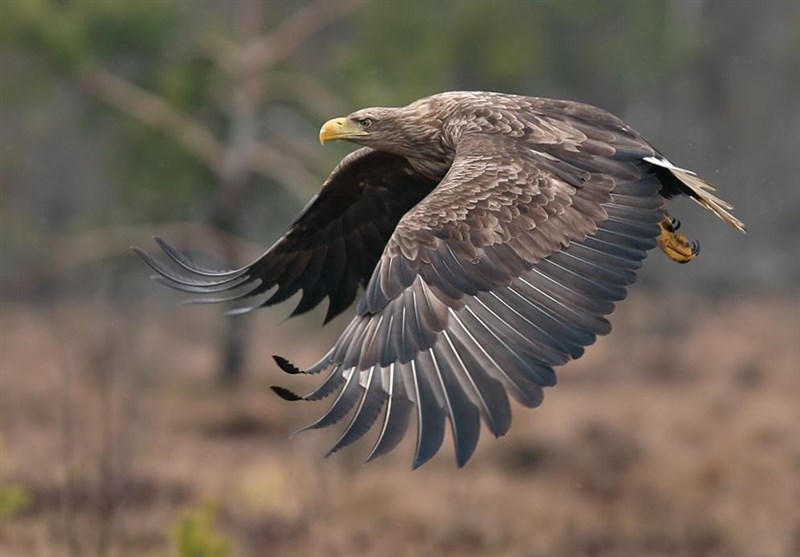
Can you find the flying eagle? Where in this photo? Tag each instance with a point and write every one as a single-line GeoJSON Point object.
{"type": "Point", "coordinates": [492, 235]}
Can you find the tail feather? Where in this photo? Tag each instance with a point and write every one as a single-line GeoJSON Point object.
{"type": "Point", "coordinates": [704, 197]}
{"type": "Point", "coordinates": [700, 192]}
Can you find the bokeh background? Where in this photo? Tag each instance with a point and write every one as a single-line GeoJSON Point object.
{"type": "Point", "coordinates": [131, 425]}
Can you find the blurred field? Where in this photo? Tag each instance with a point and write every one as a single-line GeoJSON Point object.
{"type": "Point", "coordinates": [676, 435]}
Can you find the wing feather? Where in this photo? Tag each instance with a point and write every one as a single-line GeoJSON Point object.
{"type": "Point", "coordinates": [343, 403]}
{"type": "Point", "coordinates": [397, 415]}
{"type": "Point", "coordinates": [366, 414]}
{"type": "Point", "coordinates": [465, 420]}
{"type": "Point", "coordinates": [430, 417]}
{"type": "Point", "coordinates": [329, 250]}
{"type": "Point", "coordinates": [491, 358]}
{"type": "Point", "coordinates": [487, 393]}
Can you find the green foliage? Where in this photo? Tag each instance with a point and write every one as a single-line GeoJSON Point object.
{"type": "Point", "coordinates": [160, 181]}
{"type": "Point", "coordinates": [155, 178]}
{"type": "Point", "coordinates": [70, 34]}
{"type": "Point", "coordinates": [194, 534]}
{"type": "Point", "coordinates": [587, 49]}
{"type": "Point", "coordinates": [13, 499]}
{"type": "Point", "coordinates": [37, 25]}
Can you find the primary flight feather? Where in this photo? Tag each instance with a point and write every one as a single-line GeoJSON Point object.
{"type": "Point", "coordinates": [492, 235]}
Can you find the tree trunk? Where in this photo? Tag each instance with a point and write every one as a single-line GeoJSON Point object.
{"type": "Point", "coordinates": [235, 177]}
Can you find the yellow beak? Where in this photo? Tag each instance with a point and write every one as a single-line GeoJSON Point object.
{"type": "Point", "coordinates": [339, 128]}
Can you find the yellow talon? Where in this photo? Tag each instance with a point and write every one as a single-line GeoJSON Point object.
{"type": "Point", "coordinates": [676, 246]}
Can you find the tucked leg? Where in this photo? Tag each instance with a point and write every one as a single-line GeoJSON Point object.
{"type": "Point", "coordinates": [676, 246]}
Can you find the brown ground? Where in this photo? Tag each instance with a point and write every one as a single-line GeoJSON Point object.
{"type": "Point", "coordinates": [677, 435]}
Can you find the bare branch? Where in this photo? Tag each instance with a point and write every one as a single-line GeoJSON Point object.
{"type": "Point", "coordinates": [187, 132]}
{"type": "Point", "coordinates": [290, 36]}
{"type": "Point", "coordinates": [272, 164]}
{"type": "Point", "coordinates": [260, 158]}
{"type": "Point", "coordinates": [312, 94]}
{"type": "Point", "coordinates": [301, 150]}
{"type": "Point", "coordinates": [154, 111]}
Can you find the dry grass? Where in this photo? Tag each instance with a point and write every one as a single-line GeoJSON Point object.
{"type": "Point", "coordinates": [677, 435]}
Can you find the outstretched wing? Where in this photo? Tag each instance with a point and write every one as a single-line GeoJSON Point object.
{"type": "Point", "coordinates": [505, 270]}
{"type": "Point", "coordinates": [330, 249]}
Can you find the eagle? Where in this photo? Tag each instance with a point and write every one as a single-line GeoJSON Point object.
{"type": "Point", "coordinates": [491, 235]}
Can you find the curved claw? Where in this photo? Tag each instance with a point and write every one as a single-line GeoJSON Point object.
{"type": "Point", "coordinates": [673, 225]}
{"type": "Point", "coordinates": [676, 246]}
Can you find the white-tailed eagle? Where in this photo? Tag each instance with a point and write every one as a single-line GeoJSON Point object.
{"type": "Point", "coordinates": [492, 235]}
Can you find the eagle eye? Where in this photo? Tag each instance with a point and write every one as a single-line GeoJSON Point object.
{"type": "Point", "coordinates": [365, 122]}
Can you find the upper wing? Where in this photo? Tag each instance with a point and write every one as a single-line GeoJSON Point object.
{"type": "Point", "coordinates": [564, 126]}
{"type": "Point", "coordinates": [330, 249]}
{"type": "Point", "coordinates": [506, 269]}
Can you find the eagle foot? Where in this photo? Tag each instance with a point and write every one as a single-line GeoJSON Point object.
{"type": "Point", "coordinates": [676, 246]}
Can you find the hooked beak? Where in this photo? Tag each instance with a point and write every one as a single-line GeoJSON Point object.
{"type": "Point", "coordinates": [339, 128]}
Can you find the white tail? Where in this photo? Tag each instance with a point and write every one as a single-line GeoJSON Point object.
{"type": "Point", "coordinates": [702, 192]}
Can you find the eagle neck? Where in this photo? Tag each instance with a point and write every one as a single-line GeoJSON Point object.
{"type": "Point", "coordinates": [428, 153]}
{"type": "Point", "coordinates": [433, 167]}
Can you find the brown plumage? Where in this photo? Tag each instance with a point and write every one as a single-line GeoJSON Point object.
{"type": "Point", "coordinates": [492, 234]}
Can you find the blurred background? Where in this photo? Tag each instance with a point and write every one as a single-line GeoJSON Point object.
{"type": "Point", "coordinates": [131, 425]}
